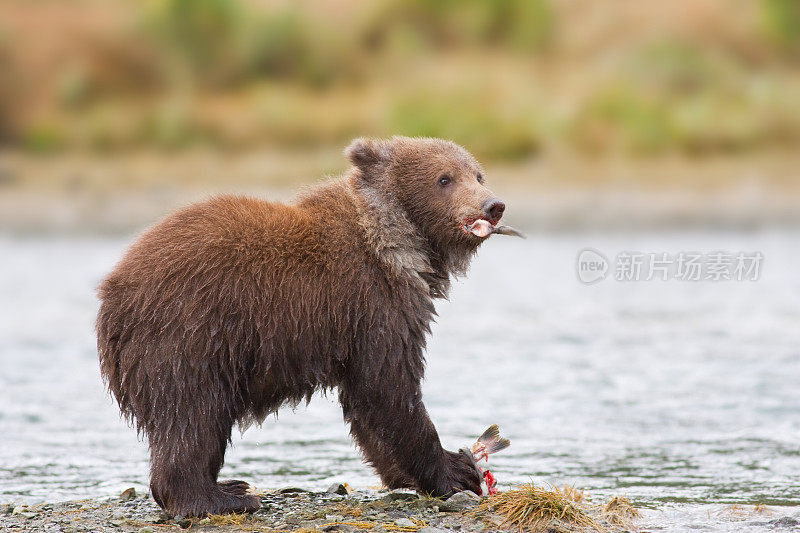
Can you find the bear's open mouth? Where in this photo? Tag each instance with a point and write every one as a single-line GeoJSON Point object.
{"type": "Point", "coordinates": [468, 221]}
{"type": "Point", "coordinates": [478, 226]}
{"type": "Point", "coordinates": [483, 227]}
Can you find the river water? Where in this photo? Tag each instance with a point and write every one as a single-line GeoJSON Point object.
{"type": "Point", "coordinates": [683, 396]}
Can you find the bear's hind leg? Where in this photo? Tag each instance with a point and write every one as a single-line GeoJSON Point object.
{"type": "Point", "coordinates": [184, 496]}
{"type": "Point", "coordinates": [183, 475]}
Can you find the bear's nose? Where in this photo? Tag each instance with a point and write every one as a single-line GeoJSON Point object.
{"type": "Point", "coordinates": [494, 209]}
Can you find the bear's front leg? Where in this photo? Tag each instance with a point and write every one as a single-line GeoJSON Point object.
{"type": "Point", "coordinates": [393, 429]}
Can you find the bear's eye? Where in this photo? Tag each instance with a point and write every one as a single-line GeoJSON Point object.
{"type": "Point", "coordinates": [444, 179]}
{"type": "Point", "coordinates": [480, 177]}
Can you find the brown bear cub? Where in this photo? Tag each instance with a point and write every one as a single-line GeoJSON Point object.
{"type": "Point", "coordinates": [228, 309]}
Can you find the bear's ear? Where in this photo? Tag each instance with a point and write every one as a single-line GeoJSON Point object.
{"type": "Point", "coordinates": [368, 154]}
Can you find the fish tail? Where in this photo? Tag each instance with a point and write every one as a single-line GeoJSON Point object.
{"type": "Point", "coordinates": [491, 440]}
{"type": "Point", "coordinates": [508, 230]}
{"type": "Point", "coordinates": [497, 445]}
{"type": "Point", "coordinates": [493, 432]}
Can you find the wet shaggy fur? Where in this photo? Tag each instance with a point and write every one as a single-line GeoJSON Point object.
{"type": "Point", "coordinates": [228, 309]}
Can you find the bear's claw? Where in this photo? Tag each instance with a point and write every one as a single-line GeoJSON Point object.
{"type": "Point", "coordinates": [234, 486]}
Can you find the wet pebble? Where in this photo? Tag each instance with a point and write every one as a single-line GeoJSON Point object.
{"type": "Point", "coordinates": [460, 501]}
{"type": "Point", "coordinates": [785, 521]}
{"type": "Point", "coordinates": [404, 522]}
{"type": "Point", "coordinates": [425, 504]}
{"type": "Point", "coordinates": [338, 488]}
{"type": "Point", "coordinates": [398, 495]}
{"type": "Point", "coordinates": [293, 490]}
{"type": "Point", "coordinates": [24, 512]}
{"type": "Point", "coordinates": [155, 518]}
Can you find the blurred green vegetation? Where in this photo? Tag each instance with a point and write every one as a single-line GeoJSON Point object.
{"type": "Point", "coordinates": [782, 24]}
{"type": "Point", "coordinates": [220, 43]}
{"type": "Point", "coordinates": [521, 25]}
{"type": "Point", "coordinates": [676, 96]}
{"type": "Point", "coordinates": [507, 78]}
{"type": "Point", "coordinates": [223, 42]}
{"type": "Point", "coordinates": [464, 115]}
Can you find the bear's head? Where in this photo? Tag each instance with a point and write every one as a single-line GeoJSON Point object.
{"type": "Point", "coordinates": [439, 187]}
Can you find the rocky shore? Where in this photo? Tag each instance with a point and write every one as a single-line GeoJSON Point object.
{"type": "Point", "coordinates": [340, 509]}
{"type": "Point", "coordinates": [288, 509]}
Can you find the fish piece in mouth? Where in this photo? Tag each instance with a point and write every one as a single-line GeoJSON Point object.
{"type": "Point", "coordinates": [484, 228]}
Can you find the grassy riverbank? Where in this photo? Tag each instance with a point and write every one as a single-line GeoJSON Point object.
{"type": "Point", "coordinates": [509, 79]}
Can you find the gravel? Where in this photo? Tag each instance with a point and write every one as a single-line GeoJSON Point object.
{"type": "Point", "coordinates": [287, 509]}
